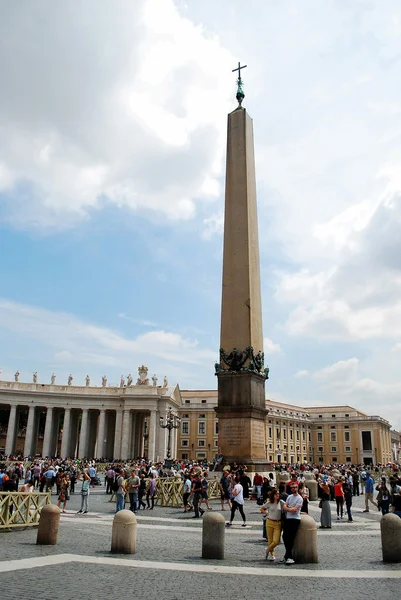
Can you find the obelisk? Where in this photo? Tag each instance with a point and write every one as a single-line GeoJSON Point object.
{"type": "Point", "coordinates": [241, 372]}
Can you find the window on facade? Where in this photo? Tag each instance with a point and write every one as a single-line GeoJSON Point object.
{"type": "Point", "coordinates": [309, 436]}
{"type": "Point", "coordinates": [297, 435]}
{"type": "Point", "coordinates": [348, 459]}
{"type": "Point", "coordinates": [347, 436]}
{"type": "Point", "coordinates": [333, 436]}
{"type": "Point", "coordinates": [284, 434]}
{"type": "Point", "coordinates": [366, 441]}
{"type": "Point", "coordinates": [320, 449]}
{"type": "Point", "coordinates": [334, 459]}
{"type": "Point", "coordinates": [320, 436]}
{"type": "Point", "coordinates": [332, 426]}
{"type": "Point", "coordinates": [184, 443]}
{"type": "Point", "coordinates": [185, 427]}
{"type": "Point", "coordinates": [291, 434]}
{"type": "Point", "coordinates": [271, 446]}
{"type": "Point", "coordinates": [320, 416]}
{"type": "Point", "coordinates": [348, 448]}
{"type": "Point", "coordinates": [216, 443]}
{"type": "Point", "coordinates": [201, 427]}
{"type": "Point", "coordinates": [203, 401]}
{"type": "Point", "coordinates": [278, 433]}
{"type": "Point", "coordinates": [346, 426]}
{"type": "Point", "coordinates": [334, 448]}
{"type": "Point", "coordinates": [270, 458]}
{"type": "Point", "coordinates": [320, 458]}
{"type": "Point", "coordinates": [201, 455]}
{"type": "Point", "coordinates": [216, 428]}
{"type": "Point", "coordinates": [333, 416]}
{"type": "Point", "coordinates": [184, 456]}
{"type": "Point", "coordinates": [320, 427]}
{"type": "Point", "coordinates": [202, 416]}
{"type": "Point", "coordinates": [187, 401]}
{"type": "Point", "coordinates": [270, 432]}
{"type": "Point", "coordinates": [304, 436]}
{"type": "Point", "coordinates": [201, 443]}
{"type": "Point", "coordinates": [346, 414]}
{"type": "Point", "coordinates": [310, 459]}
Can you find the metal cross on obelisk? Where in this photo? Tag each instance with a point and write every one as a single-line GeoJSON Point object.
{"type": "Point", "coordinates": [240, 92]}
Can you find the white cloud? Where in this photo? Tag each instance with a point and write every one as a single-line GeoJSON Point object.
{"type": "Point", "coordinates": [302, 373]}
{"type": "Point", "coordinates": [125, 109]}
{"type": "Point", "coordinates": [72, 343]}
{"type": "Point", "coordinates": [270, 347]}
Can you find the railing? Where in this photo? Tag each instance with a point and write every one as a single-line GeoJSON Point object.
{"type": "Point", "coordinates": [170, 492]}
{"type": "Point", "coordinates": [21, 509]}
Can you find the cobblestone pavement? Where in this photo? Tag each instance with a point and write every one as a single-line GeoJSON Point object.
{"type": "Point", "coordinates": [168, 558]}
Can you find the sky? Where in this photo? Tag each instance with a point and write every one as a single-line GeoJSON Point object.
{"type": "Point", "coordinates": [112, 156]}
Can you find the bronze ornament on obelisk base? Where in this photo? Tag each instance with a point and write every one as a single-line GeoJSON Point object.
{"type": "Point", "coordinates": [241, 372]}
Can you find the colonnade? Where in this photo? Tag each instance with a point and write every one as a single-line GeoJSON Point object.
{"type": "Point", "coordinates": [122, 433]}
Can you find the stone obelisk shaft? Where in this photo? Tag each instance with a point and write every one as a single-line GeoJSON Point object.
{"type": "Point", "coordinates": [241, 314]}
{"type": "Point", "coordinates": [241, 389]}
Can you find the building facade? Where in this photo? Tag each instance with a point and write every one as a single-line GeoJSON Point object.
{"type": "Point", "coordinates": [336, 434]}
{"type": "Point", "coordinates": [124, 422]}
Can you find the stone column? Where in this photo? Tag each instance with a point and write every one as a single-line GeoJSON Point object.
{"type": "Point", "coordinates": [117, 434]}
{"type": "Point", "coordinates": [141, 438]}
{"type": "Point", "coordinates": [125, 445]}
{"type": "Point", "coordinates": [65, 442]}
{"type": "Point", "coordinates": [134, 435]}
{"type": "Point", "coordinates": [101, 434]}
{"type": "Point", "coordinates": [29, 431]}
{"type": "Point", "coordinates": [11, 430]}
{"type": "Point", "coordinates": [48, 432]}
{"type": "Point", "coordinates": [83, 436]}
{"type": "Point", "coordinates": [152, 435]}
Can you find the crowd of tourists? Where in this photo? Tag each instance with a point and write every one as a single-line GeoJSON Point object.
{"type": "Point", "coordinates": [135, 486]}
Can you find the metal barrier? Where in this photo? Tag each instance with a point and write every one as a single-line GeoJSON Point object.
{"type": "Point", "coordinates": [21, 509]}
{"type": "Point", "coordinates": [170, 491]}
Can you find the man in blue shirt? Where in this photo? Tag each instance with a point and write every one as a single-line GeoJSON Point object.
{"type": "Point", "coordinates": [369, 487]}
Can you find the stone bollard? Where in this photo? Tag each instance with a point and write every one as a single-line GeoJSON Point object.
{"type": "Point", "coordinates": [283, 476]}
{"type": "Point", "coordinates": [49, 522]}
{"type": "Point", "coordinates": [305, 546]}
{"type": "Point", "coordinates": [309, 476]}
{"type": "Point", "coordinates": [390, 527]}
{"type": "Point", "coordinates": [312, 487]}
{"type": "Point", "coordinates": [123, 535]}
{"type": "Point", "coordinates": [213, 533]}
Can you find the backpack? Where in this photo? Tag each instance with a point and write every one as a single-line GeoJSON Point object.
{"type": "Point", "coordinates": [114, 485]}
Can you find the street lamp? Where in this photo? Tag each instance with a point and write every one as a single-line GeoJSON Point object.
{"type": "Point", "coordinates": [171, 422]}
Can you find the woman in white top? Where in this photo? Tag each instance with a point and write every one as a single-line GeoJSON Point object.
{"type": "Point", "coordinates": [237, 502]}
{"type": "Point", "coordinates": [272, 510]}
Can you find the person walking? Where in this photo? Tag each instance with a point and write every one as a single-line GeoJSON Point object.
{"type": "Point", "coordinates": [339, 496]}
{"type": "Point", "coordinates": [369, 487]}
{"type": "Point", "coordinates": [197, 494]}
{"type": "Point", "coordinates": [303, 491]}
{"type": "Point", "coordinates": [272, 511]}
{"type": "Point", "coordinates": [187, 493]}
{"type": "Point", "coordinates": [141, 492]}
{"type": "Point", "coordinates": [383, 496]}
{"type": "Point", "coordinates": [224, 486]}
{"type": "Point", "coordinates": [64, 489]}
{"type": "Point", "coordinates": [292, 508]}
{"type": "Point", "coordinates": [151, 490]}
{"type": "Point", "coordinates": [132, 487]}
{"type": "Point", "coordinates": [120, 493]}
{"type": "Point", "coordinates": [84, 492]}
{"type": "Point", "coordinates": [347, 489]}
{"type": "Point", "coordinates": [325, 515]}
{"type": "Point", "coordinates": [237, 503]}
